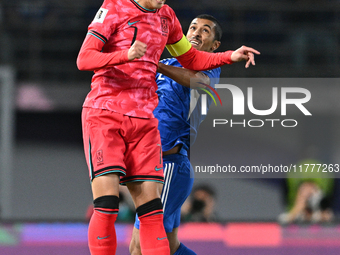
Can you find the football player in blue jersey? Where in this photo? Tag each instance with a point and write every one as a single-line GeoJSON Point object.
{"type": "Point", "coordinates": [178, 124]}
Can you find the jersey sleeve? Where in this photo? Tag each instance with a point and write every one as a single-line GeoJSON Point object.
{"type": "Point", "coordinates": [90, 56]}
{"type": "Point", "coordinates": [104, 23]}
{"type": "Point", "coordinates": [175, 31]}
{"type": "Point", "coordinates": [214, 77]}
{"type": "Point", "coordinates": [193, 59]}
{"type": "Point", "coordinates": [200, 60]}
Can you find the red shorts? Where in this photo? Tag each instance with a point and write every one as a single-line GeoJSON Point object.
{"type": "Point", "coordinates": [116, 143]}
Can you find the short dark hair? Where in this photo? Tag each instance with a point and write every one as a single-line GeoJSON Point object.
{"type": "Point", "coordinates": [217, 29]}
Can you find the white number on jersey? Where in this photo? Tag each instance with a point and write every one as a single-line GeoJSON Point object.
{"type": "Point", "coordinates": [160, 77]}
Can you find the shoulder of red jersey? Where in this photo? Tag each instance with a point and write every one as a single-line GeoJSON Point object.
{"type": "Point", "coordinates": [166, 9]}
{"type": "Point", "coordinates": [175, 28]}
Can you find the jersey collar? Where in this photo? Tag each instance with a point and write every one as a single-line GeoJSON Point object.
{"type": "Point", "coordinates": [142, 8]}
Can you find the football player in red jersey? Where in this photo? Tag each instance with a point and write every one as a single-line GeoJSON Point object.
{"type": "Point", "coordinates": [121, 140]}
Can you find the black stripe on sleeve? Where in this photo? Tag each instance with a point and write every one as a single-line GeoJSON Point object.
{"type": "Point", "coordinates": [99, 35]}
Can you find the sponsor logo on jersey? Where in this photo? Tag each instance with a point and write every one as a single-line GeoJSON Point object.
{"type": "Point", "coordinates": [131, 23]}
{"type": "Point", "coordinates": [158, 168]}
{"type": "Point", "coordinates": [101, 238]}
{"type": "Point", "coordinates": [100, 16]}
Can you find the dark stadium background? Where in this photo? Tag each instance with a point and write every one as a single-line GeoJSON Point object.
{"type": "Point", "coordinates": [48, 181]}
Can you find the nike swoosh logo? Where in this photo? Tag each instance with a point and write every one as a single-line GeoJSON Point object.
{"type": "Point", "coordinates": [160, 238]}
{"type": "Point", "coordinates": [101, 238]}
{"type": "Point", "coordinates": [131, 23]}
{"type": "Point", "coordinates": [157, 169]}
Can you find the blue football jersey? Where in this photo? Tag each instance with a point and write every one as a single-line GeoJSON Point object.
{"type": "Point", "coordinates": [178, 122]}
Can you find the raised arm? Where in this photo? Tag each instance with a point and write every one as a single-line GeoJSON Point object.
{"type": "Point", "coordinates": [193, 59]}
{"type": "Point", "coordinates": [91, 58]}
{"type": "Point", "coordinates": [183, 76]}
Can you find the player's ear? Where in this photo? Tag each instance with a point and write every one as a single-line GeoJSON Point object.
{"type": "Point", "coordinates": [215, 45]}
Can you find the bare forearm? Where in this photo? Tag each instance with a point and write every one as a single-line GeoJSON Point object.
{"type": "Point", "coordinates": [183, 76]}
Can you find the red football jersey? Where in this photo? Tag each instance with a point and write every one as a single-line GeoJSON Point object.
{"type": "Point", "coordinates": [130, 88]}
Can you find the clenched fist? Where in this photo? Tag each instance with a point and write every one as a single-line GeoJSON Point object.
{"type": "Point", "coordinates": [137, 50]}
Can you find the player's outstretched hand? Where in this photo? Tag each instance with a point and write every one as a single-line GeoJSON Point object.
{"type": "Point", "coordinates": [137, 50]}
{"type": "Point", "coordinates": [244, 53]}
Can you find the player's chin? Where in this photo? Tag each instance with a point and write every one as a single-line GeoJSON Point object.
{"type": "Point", "coordinates": [159, 3]}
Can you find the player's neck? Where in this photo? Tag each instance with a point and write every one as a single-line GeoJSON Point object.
{"type": "Point", "coordinates": [144, 4]}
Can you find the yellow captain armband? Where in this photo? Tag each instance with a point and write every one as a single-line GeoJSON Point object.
{"type": "Point", "coordinates": [179, 48]}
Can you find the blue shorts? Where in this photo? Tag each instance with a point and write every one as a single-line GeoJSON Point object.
{"type": "Point", "coordinates": [176, 189]}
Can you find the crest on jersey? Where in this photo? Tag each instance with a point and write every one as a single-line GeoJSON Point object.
{"type": "Point", "coordinates": [100, 157]}
{"type": "Point", "coordinates": [100, 16]}
{"type": "Point", "coordinates": [164, 24]}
